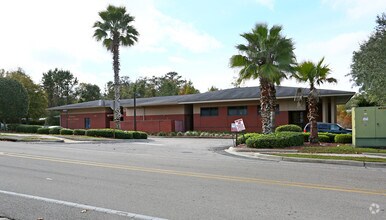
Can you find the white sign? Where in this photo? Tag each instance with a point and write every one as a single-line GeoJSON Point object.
{"type": "Point", "coordinates": [240, 124]}
{"type": "Point", "coordinates": [233, 127]}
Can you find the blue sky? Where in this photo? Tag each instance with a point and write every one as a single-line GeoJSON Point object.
{"type": "Point", "coordinates": [194, 38]}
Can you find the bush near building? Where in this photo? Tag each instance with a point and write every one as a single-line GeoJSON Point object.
{"type": "Point", "coordinates": [276, 140]}
{"type": "Point", "coordinates": [323, 138]}
{"type": "Point", "coordinates": [27, 128]}
{"type": "Point", "coordinates": [343, 138]}
{"type": "Point", "coordinates": [43, 131]}
{"type": "Point", "coordinates": [55, 130]}
{"type": "Point", "coordinates": [79, 132]}
{"type": "Point", "coordinates": [243, 137]}
{"type": "Point", "coordinates": [120, 134]}
{"type": "Point", "coordinates": [66, 131]}
{"type": "Point", "coordinates": [290, 127]}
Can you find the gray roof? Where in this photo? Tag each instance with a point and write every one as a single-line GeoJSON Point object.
{"type": "Point", "coordinates": [233, 94]}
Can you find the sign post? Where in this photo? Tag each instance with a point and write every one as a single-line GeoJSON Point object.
{"type": "Point", "coordinates": [238, 126]}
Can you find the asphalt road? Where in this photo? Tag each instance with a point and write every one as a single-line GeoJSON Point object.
{"type": "Point", "coordinates": [178, 179]}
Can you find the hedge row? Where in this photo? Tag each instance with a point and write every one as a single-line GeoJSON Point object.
{"type": "Point", "coordinates": [109, 133]}
{"type": "Point", "coordinates": [79, 132]}
{"type": "Point", "coordinates": [330, 138]}
{"type": "Point", "coordinates": [343, 138]}
{"type": "Point", "coordinates": [66, 131]}
{"type": "Point", "coordinates": [27, 128]}
{"type": "Point", "coordinates": [276, 140]}
{"type": "Point", "coordinates": [43, 131]}
{"type": "Point", "coordinates": [194, 134]}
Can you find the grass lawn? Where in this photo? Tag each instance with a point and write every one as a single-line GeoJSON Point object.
{"type": "Point", "coordinates": [340, 150]}
{"type": "Point", "coordinates": [367, 159]}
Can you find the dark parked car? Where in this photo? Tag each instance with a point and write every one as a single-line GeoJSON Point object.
{"type": "Point", "coordinates": [329, 127]}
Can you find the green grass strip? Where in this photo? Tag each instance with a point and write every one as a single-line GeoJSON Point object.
{"type": "Point", "coordinates": [326, 157]}
{"type": "Point", "coordinates": [341, 150]}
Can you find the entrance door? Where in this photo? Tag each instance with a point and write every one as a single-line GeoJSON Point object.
{"type": "Point", "coordinates": [87, 123]}
{"type": "Point", "coordinates": [189, 118]}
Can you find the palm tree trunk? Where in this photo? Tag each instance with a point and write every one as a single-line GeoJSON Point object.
{"type": "Point", "coordinates": [312, 114]}
{"type": "Point", "coordinates": [272, 105]}
{"type": "Point", "coordinates": [117, 107]}
{"type": "Point", "coordinates": [264, 105]}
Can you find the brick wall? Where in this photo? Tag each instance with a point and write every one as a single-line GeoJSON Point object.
{"type": "Point", "coordinates": [75, 119]}
{"type": "Point", "coordinates": [150, 126]}
{"type": "Point", "coordinates": [222, 122]}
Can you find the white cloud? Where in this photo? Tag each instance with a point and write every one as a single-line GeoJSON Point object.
{"type": "Point", "coordinates": [43, 34]}
{"type": "Point", "coordinates": [155, 71]}
{"type": "Point", "coordinates": [267, 3]}
{"type": "Point", "coordinates": [158, 29]}
{"type": "Point", "coordinates": [338, 54]}
{"type": "Point", "coordinates": [356, 9]}
{"type": "Point", "coordinates": [176, 59]}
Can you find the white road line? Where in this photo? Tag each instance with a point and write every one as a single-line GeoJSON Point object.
{"type": "Point", "coordinates": [82, 206]}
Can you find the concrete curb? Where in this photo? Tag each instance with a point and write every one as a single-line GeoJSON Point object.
{"type": "Point", "coordinates": [16, 139]}
{"type": "Point", "coordinates": [263, 156]}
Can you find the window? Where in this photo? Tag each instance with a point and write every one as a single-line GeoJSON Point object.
{"type": "Point", "coordinates": [277, 110]}
{"type": "Point", "coordinates": [237, 110]}
{"type": "Point", "coordinates": [87, 123]}
{"type": "Point", "coordinates": [212, 111]}
{"type": "Point", "coordinates": [323, 127]}
{"type": "Point", "coordinates": [335, 127]}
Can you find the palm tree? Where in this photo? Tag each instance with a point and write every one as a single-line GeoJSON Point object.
{"type": "Point", "coordinates": [312, 73]}
{"type": "Point", "coordinates": [114, 30]}
{"type": "Point", "coordinates": [267, 56]}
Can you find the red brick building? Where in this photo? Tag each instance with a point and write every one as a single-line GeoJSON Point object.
{"type": "Point", "coordinates": [210, 111]}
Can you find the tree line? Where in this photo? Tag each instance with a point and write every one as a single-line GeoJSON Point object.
{"type": "Point", "coordinates": [21, 97]}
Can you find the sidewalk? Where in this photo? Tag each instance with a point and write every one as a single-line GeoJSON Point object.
{"type": "Point", "coordinates": [266, 154]}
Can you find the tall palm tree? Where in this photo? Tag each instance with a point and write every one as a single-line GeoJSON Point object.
{"type": "Point", "coordinates": [114, 30]}
{"type": "Point", "coordinates": [312, 73]}
{"type": "Point", "coordinates": [267, 56]}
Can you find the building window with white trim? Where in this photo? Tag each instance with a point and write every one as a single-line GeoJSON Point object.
{"type": "Point", "coordinates": [237, 110]}
{"type": "Point", "coordinates": [209, 111]}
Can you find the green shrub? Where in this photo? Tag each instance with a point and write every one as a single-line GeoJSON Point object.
{"type": "Point", "coordinates": [192, 133]}
{"type": "Point", "coordinates": [306, 136]}
{"type": "Point", "coordinates": [139, 134]}
{"type": "Point", "coordinates": [119, 134]}
{"type": "Point", "coordinates": [43, 131]}
{"type": "Point", "coordinates": [290, 127]}
{"type": "Point", "coordinates": [27, 128]}
{"type": "Point", "coordinates": [276, 140]}
{"type": "Point", "coordinates": [172, 133]}
{"type": "Point", "coordinates": [161, 133]}
{"type": "Point", "coordinates": [180, 133]}
{"type": "Point", "coordinates": [55, 130]}
{"type": "Point", "coordinates": [12, 127]}
{"type": "Point", "coordinates": [79, 132]}
{"type": "Point", "coordinates": [66, 131]}
{"type": "Point", "coordinates": [241, 139]}
{"type": "Point", "coordinates": [343, 138]}
{"type": "Point", "coordinates": [331, 136]}
{"type": "Point", "coordinates": [107, 133]}
{"type": "Point", "coordinates": [323, 138]}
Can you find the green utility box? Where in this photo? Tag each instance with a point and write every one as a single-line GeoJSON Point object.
{"type": "Point", "coordinates": [369, 126]}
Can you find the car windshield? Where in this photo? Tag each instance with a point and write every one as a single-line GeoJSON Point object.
{"type": "Point", "coordinates": [335, 127]}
